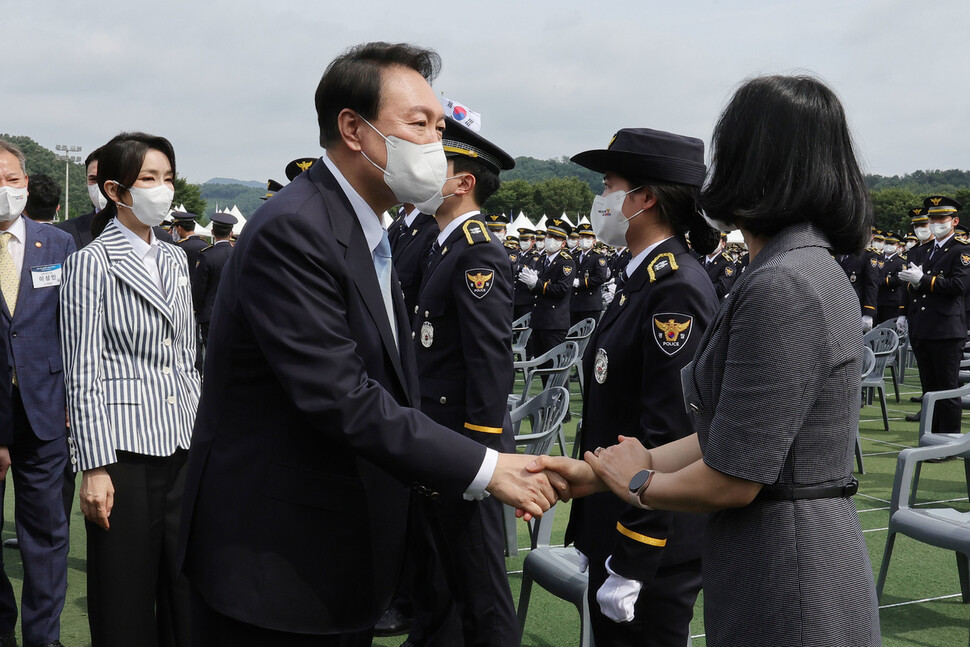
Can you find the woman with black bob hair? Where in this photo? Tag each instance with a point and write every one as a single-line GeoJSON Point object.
{"type": "Point", "coordinates": [128, 340]}
{"type": "Point", "coordinates": [773, 392]}
{"type": "Point", "coordinates": [644, 566]}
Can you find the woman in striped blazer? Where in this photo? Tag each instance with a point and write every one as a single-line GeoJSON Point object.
{"type": "Point", "coordinates": [128, 339]}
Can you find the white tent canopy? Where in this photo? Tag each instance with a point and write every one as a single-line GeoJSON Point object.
{"type": "Point", "coordinates": [735, 237]}
{"type": "Point", "coordinates": [542, 223]}
{"type": "Point", "coordinates": [520, 222]}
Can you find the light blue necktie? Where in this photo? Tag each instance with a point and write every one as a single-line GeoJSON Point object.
{"type": "Point", "coordinates": [382, 265]}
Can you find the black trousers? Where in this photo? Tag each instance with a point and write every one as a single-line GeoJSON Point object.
{"type": "Point", "coordinates": [467, 538]}
{"type": "Point", "coordinates": [38, 473]}
{"type": "Point", "coordinates": [544, 340]}
{"type": "Point", "coordinates": [213, 629]}
{"type": "Point", "coordinates": [939, 370]}
{"type": "Point", "coordinates": [135, 596]}
{"type": "Point", "coordinates": [884, 313]}
{"type": "Point", "coordinates": [662, 612]}
{"type": "Point", "coordinates": [575, 316]}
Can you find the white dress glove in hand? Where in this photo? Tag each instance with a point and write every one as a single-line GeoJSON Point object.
{"type": "Point", "coordinates": [866, 323]}
{"type": "Point", "coordinates": [902, 325]}
{"type": "Point", "coordinates": [913, 274]}
{"type": "Point", "coordinates": [583, 561]}
{"type": "Point", "coordinates": [575, 283]}
{"type": "Point", "coordinates": [618, 596]}
{"type": "Point", "coordinates": [529, 276]}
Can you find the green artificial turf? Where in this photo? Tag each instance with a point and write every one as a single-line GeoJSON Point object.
{"type": "Point", "coordinates": [921, 605]}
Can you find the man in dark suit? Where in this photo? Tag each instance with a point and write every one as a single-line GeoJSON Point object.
{"type": "Point", "coordinates": [936, 313]}
{"type": "Point", "coordinates": [31, 258]}
{"type": "Point", "coordinates": [306, 444]}
{"type": "Point", "coordinates": [463, 323]}
{"type": "Point", "coordinates": [551, 283]}
{"type": "Point", "coordinates": [208, 271]}
{"type": "Point", "coordinates": [80, 227]}
{"type": "Point", "coordinates": [591, 274]}
{"type": "Point", "coordinates": [411, 236]}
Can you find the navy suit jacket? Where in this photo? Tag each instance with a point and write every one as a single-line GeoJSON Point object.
{"type": "Point", "coordinates": [305, 444]}
{"type": "Point", "coordinates": [31, 335]}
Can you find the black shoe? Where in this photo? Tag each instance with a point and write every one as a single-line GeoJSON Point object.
{"type": "Point", "coordinates": [913, 417]}
{"type": "Point", "coordinates": [14, 544]}
{"type": "Point", "coordinates": [394, 622]}
{"type": "Point", "coordinates": [8, 640]}
{"type": "Point", "coordinates": [916, 398]}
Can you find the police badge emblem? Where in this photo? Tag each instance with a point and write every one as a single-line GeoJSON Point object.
{"type": "Point", "coordinates": [965, 259]}
{"type": "Point", "coordinates": [600, 365]}
{"type": "Point", "coordinates": [427, 334]}
{"type": "Point", "coordinates": [671, 331]}
{"type": "Point", "coordinates": [479, 281]}
{"type": "Point", "coordinates": [567, 269]}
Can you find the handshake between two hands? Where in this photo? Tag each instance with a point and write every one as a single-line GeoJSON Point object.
{"type": "Point", "coordinates": [533, 484]}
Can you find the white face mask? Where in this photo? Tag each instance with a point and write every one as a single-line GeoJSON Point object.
{"type": "Point", "coordinates": [551, 245]}
{"type": "Point", "coordinates": [941, 229]}
{"type": "Point", "coordinates": [12, 202]}
{"type": "Point", "coordinates": [606, 217]}
{"type": "Point", "coordinates": [97, 199]}
{"type": "Point", "coordinates": [571, 243]}
{"type": "Point", "coordinates": [586, 244]}
{"type": "Point", "coordinates": [415, 173]}
{"type": "Point", "coordinates": [877, 246]}
{"type": "Point", "coordinates": [910, 245]}
{"type": "Point", "coordinates": [923, 233]}
{"type": "Point", "coordinates": [500, 235]}
{"type": "Point", "coordinates": [150, 206]}
{"type": "Point", "coordinates": [525, 245]}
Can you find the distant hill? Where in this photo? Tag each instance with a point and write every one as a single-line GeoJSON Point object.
{"type": "Point", "coordinates": [226, 180]}
{"type": "Point", "coordinates": [225, 194]}
{"type": "Point", "coordinates": [531, 169]}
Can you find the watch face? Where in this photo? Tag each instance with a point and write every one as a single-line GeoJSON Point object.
{"type": "Point", "coordinates": [638, 480]}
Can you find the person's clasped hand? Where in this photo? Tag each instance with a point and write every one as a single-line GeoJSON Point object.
{"type": "Point", "coordinates": [529, 276]}
{"type": "Point", "coordinates": [913, 274]}
{"type": "Point", "coordinates": [618, 595]}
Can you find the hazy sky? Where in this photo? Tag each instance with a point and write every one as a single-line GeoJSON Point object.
{"type": "Point", "coordinates": [231, 82]}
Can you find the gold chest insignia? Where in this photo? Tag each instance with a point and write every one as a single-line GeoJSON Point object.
{"type": "Point", "coordinates": [671, 331]}
{"type": "Point", "coordinates": [479, 281]}
{"type": "Point", "coordinates": [567, 269]}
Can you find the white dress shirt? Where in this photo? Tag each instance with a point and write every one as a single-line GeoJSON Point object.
{"type": "Point", "coordinates": [147, 252]}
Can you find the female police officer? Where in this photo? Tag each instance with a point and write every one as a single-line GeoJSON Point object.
{"type": "Point", "coordinates": [645, 568]}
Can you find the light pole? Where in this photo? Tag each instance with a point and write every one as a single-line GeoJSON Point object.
{"type": "Point", "coordinates": [67, 158]}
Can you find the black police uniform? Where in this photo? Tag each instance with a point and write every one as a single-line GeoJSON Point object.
{"type": "Point", "coordinates": [891, 298]}
{"type": "Point", "coordinates": [409, 252]}
{"type": "Point", "coordinates": [863, 272]}
{"type": "Point", "coordinates": [193, 246]}
{"type": "Point", "coordinates": [463, 333]}
{"type": "Point", "coordinates": [722, 272]}
{"type": "Point", "coordinates": [938, 324]}
{"type": "Point", "coordinates": [523, 301]}
{"type": "Point", "coordinates": [633, 363]}
{"type": "Point", "coordinates": [550, 314]}
{"type": "Point", "coordinates": [205, 282]}
{"type": "Point", "coordinates": [618, 264]}
{"type": "Point", "coordinates": [587, 299]}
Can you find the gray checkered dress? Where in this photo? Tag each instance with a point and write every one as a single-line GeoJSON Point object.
{"type": "Point", "coordinates": [774, 396]}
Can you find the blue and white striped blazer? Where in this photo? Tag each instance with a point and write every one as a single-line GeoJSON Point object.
{"type": "Point", "coordinates": [129, 351]}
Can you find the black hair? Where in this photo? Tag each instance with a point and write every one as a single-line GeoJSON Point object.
{"type": "Point", "coordinates": [188, 225]}
{"type": "Point", "coordinates": [120, 160]}
{"type": "Point", "coordinates": [486, 180]}
{"type": "Point", "coordinates": [353, 80]}
{"type": "Point", "coordinates": [782, 154]}
{"type": "Point", "coordinates": [220, 230]}
{"type": "Point", "coordinates": [677, 207]}
{"type": "Point", "coordinates": [93, 156]}
{"type": "Point", "coordinates": [43, 196]}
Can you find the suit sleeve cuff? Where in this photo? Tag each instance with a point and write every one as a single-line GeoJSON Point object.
{"type": "Point", "coordinates": [476, 491]}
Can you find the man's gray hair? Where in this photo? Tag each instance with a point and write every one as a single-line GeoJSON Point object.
{"type": "Point", "coordinates": [14, 150]}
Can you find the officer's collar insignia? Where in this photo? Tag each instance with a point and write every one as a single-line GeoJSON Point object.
{"type": "Point", "coordinates": [479, 281]}
{"type": "Point", "coordinates": [622, 299]}
{"type": "Point", "coordinates": [965, 259]}
{"type": "Point", "coordinates": [662, 265]}
{"type": "Point", "coordinates": [444, 250]}
{"type": "Point", "coordinates": [671, 331]}
{"type": "Point", "coordinates": [414, 232]}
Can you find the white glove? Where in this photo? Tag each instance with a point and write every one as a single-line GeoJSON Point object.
{"type": "Point", "coordinates": [529, 276]}
{"type": "Point", "coordinates": [866, 323]}
{"type": "Point", "coordinates": [913, 274]}
{"type": "Point", "coordinates": [583, 561]}
{"type": "Point", "coordinates": [618, 596]}
{"type": "Point", "coordinates": [902, 325]}
{"type": "Point", "coordinates": [575, 283]}
{"type": "Point", "coordinates": [608, 297]}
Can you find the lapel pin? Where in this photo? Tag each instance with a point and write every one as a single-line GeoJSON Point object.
{"type": "Point", "coordinates": [37, 244]}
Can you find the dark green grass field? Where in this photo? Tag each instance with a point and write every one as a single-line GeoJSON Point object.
{"type": "Point", "coordinates": [921, 605]}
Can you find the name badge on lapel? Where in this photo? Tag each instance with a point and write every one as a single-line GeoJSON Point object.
{"type": "Point", "coordinates": [46, 276]}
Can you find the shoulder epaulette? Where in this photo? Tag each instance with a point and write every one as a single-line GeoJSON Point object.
{"type": "Point", "coordinates": [727, 258]}
{"type": "Point", "coordinates": [206, 248]}
{"type": "Point", "coordinates": [567, 255]}
{"type": "Point", "coordinates": [662, 265]}
{"type": "Point", "coordinates": [475, 232]}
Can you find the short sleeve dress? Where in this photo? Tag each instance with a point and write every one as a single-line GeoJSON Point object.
{"type": "Point", "coordinates": [773, 396]}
